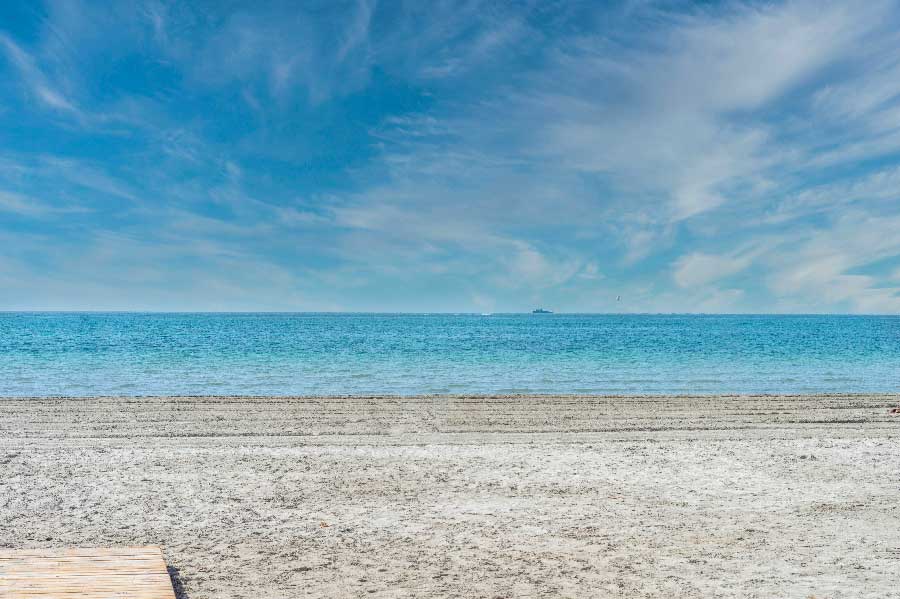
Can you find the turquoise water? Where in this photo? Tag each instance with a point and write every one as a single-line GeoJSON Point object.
{"type": "Point", "coordinates": [314, 354]}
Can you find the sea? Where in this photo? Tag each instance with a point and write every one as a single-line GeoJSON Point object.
{"type": "Point", "coordinates": [135, 354]}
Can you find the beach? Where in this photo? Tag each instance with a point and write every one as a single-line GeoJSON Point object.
{"type": "Point", "coordinates": [494, 497]}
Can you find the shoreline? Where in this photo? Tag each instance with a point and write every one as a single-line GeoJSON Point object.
{"type": "Point", "coordinates": [811, 395]}
{"type": "Point", "coordinates": [475, 496]}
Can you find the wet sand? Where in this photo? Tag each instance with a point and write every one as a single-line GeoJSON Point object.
{"type": "Point", "coordinates": [469, 497]}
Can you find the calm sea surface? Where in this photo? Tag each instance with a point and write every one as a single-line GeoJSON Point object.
{"type": "Point", "coordinates": [312, 354]}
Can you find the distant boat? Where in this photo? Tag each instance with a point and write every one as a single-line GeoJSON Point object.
{"type": "Point", "coordinates": [541, 311]}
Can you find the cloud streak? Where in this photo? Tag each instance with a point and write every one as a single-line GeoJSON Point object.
{"type": "Point", "coordinates": [34, 80]}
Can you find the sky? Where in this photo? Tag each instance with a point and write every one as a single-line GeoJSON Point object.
{"type": "Point", "coordinates": [459, 156]}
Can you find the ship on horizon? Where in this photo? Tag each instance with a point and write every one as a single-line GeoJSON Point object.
{"type": "Point", "coordinates": [541, 311]}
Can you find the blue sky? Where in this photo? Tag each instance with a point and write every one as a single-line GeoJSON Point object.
{"type": "Point", "coordinates": [450, 156]}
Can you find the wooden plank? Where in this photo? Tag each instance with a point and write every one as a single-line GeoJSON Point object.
{"type": "Point", "coordinates": [85, 573]}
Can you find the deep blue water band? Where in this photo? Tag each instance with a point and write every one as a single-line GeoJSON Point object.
{"type": "Point", "coordinates": [315, 354]}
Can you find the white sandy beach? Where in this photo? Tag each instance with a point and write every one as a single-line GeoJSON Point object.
{"type": "Point", "coordinates": [469, 497]}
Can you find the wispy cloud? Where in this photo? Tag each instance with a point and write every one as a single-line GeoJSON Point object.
{"type": "Point", "coordinates": [36, 83]}
{"type": "Point", "coordinates": [19, 204]}
{"type": "Point", "coordinates": [697, 268]}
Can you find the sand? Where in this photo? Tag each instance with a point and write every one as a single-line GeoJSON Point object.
{"type": "Point", "coordinates": [469, 497]}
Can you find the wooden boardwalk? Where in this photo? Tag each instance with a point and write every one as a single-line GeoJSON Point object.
{"type": "Point", "coordinates": [121, 573]}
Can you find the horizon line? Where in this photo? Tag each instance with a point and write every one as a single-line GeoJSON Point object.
{"type": "Point", "coordinates": [445, 313]}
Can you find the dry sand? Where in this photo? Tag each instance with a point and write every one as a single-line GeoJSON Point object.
{"type": "Point", "coordinates": [469, 497]}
